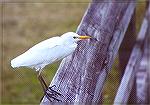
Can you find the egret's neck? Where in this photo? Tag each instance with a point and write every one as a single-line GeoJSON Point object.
{"type": "Point", "coordinates": [65, 42]}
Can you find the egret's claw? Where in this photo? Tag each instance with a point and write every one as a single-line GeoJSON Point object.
{"type": "Point", "coordinates": [52, 94]}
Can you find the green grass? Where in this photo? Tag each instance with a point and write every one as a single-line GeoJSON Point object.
{"type": "Point", "coordinates": [112, 83]}
{"type": "Point", "coordinates": [26, 24]}
{"type": "Point", "coordinates": [22, 86]}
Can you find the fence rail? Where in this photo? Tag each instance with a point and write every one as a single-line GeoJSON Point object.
{"type": "Point", "coordinates": [81, 76]}
{"type": "Point", "coordinates": [136, 69]}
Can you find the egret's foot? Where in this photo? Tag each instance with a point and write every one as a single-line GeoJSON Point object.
{"type": "Point", "coordinates": [52, 95]}
{"type": "Point", "coordinates": [49, 92]}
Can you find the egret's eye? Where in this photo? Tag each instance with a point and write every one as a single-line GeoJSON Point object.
{"type": "Point", "coordinates": [75, 37]}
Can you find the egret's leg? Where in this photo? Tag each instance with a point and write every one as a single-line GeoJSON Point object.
{"type": "Point", "coordinates": [42, 81]}
{"type": "Point", "coordinates": [48, 91]}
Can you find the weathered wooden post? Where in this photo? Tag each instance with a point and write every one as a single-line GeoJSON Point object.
{"type": "Point", "coordinates": [81, 76]}
{"type": "Point", "coordinates": [136, 64]}
{"type": "Point", "coordinates": [142, 70]}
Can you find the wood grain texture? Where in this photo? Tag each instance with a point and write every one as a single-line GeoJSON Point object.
{"type": "Point", "coordinates": [142, 77]}
{"type": "Point", "coordinates": [81, 76]}
{"type": "Point", "coordinates": [133, 66]}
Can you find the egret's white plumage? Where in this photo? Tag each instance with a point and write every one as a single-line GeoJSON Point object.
{"type": "Point", "coordinates": [48, 51]}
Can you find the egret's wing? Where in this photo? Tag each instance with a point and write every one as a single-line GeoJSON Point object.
{"type": "Point", "coordinates": [49, 43]}
{"type": "Point", "coordinates": [37, 54]}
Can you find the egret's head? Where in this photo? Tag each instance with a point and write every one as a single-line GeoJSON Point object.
{"type": "Point", "coordinates": [74, 37]}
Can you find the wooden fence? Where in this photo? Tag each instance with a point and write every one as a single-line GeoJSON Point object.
{"type": "Point", "coordinates": [81, 76]}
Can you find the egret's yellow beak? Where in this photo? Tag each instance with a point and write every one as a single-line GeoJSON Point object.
{"type": "Point", "coordinates": [84, 37]}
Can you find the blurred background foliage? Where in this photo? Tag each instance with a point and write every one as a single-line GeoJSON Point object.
{"type": "Point", "coordinates": [25, 23]}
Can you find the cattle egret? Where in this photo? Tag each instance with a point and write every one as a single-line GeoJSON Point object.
{"type": "Point", "coordinates": [47, 52]}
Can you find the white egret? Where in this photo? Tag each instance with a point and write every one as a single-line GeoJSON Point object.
{"type": "Point", "coordinates": [47, 52]}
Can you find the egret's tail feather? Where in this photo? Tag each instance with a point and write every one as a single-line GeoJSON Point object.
{"type": "Point", "coordinates": [14, 64]}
